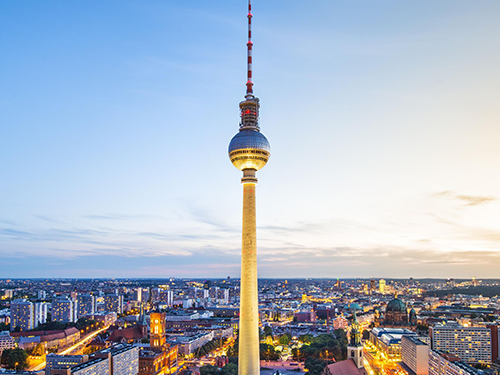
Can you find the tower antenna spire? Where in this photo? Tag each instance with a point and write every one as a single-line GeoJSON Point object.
{"type": "Point", "coordinates": [249, 51]}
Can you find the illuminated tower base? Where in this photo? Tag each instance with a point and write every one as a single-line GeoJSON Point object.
{"type": "Point", "coordinates": [248, 356]}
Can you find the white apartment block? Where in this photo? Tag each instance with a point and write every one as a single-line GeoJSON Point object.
{"type": "Point", "coordinates": [41, 309]}
{"type": "Point", "coordinates": [415, 354]}
{"type": "Point", "coordinates": [445, 364]}
{"type": "Point", "coordinates": [6, 342]}
{"type": "Point", "coordinates": [22, 315]}
{"type": "Point", "coordinates": [64, 310]}
{"type": "Point", "coordinates": [471, 344]}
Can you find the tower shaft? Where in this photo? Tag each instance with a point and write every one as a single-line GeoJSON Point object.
{"type": "Point", "coordinates": [248, 352]}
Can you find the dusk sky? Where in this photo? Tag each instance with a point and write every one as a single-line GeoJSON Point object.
{"type": "Point", "coordinates": [383, 118]}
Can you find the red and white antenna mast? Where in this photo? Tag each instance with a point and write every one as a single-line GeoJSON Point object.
{"type": "Point", "coordinates": [249, 51]}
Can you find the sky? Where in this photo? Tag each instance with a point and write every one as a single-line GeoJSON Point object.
{"type": "Point", "coordinates": [383, 119]}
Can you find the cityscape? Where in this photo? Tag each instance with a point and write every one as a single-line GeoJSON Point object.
{"type": "Point", "coordinates": [371, 246]}
{"type": "Point", "coordinates": [176, 326]}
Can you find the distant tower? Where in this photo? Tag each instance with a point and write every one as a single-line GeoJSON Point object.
{"type": "Point", "coordinates": [355, 348]}
{"type": "Point", "coordinates": [249, 151]}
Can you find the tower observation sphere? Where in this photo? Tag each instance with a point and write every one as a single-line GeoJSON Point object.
{"type": "Point", "coordinates": [249, 149]}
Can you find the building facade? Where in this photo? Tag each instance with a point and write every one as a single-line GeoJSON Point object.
{"type": "Point", "coordinates": [6, 342]}
{"type": "Point", "coordinates": [41, 309]}
{"type": "Point", "coordinates": [22, 315]}
{"type": "Point", "coordinates": [415, 354]}
{"type": "Point", "coordinates": [113, 303]}
{"type": "Point", "coordinates": [58, 364]}
{"type": "Point", "coordinates": [64, 310]}
{"type": "Point", "coordinates": [447, 364]}
{"type": "Point", "coordinates": [86, 304]}
{"type": "Point", "coordinates": [471, 344]}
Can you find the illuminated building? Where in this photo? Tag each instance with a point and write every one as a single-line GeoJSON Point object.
{"type": "Point", "coordinates": [86, 304]}
{"type": "Point", "coordinates": [381, 286]}
{"type": "Point", "coordinates": [340, 322]}
{"type": "Point", "coordinates": [113, 302]}
{"type": "Point", "coordinates": [22, 315]}
{"type": "Point", "coordinates": [158, 337]}
{"type": "Point", "coordinates": [40, 309]}
{"type": "Point", "coordinates": [8, 293]}
{"type": "Point", "coordinates": [6, 342]}
{"type": "Point", "coordinates": [162, 295]}
{"type": "Point", "coordinates": [120, 359]}
{"type": "Point", "coordinates": [249, 151]}
{"type": "Point", "coordinates": [415, 354]}
{"type": "Point", "coordinates": [388, 340]}
{"type": "Point", "coordinates": [58, 364]}
{"type": "Point", "coordinates": [161, 357]}
{"type": "Point", "coordinates": [64, 310]}
{"type": "Point", "coordinates": [441, 363]}
{"type": "Point", "coordinates": [471, 344]}
{"type": "Point", "coordinates": [396, 313]}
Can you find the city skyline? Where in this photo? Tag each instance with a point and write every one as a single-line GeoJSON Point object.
{"type": "Point", "coordinates": [111, 115]}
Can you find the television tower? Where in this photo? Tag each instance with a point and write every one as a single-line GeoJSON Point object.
{"type": "Point", "coordinates": [249, 151]}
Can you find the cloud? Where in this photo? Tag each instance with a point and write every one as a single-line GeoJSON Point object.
{"type": "Point", "coordinates": [474, 200]}
{"type": "Point", "coordinates": [470, 200]}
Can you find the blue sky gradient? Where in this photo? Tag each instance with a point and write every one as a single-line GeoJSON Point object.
{"type": "Point", "coordinates": [382, 116]}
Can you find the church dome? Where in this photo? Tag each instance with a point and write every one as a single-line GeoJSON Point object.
{"type": "Point", "coordinates": [396, 305]}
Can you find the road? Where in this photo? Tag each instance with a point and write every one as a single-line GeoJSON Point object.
{"type": "Point", "coordinates": [377, 364]}
{"type": "Point", "coordinates": [83, 341]}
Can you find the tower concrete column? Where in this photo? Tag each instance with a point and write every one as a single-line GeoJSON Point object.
{"type": "Point", "coordinates": [248, 355]}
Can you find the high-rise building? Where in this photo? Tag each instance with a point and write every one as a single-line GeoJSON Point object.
{"type": "Point", "coordinates": [470, 344]}
{"type": "Point", "coordinates": [495, 339]}
{"type": "Point", "coordinates": [113, 303]}
{"type": "Point", "coordinates": [22, 315]}
{"type": "Point", "coordinates": [415, 354]}
{"type": "Point", "coordinates": [64, 310]}
{"type": "Point", "coordinates": [86, 304]}
{"type": "Point", "coordinates": [42, 294]}
{"type": "Point", "coordinates": [441, 363]}
{"type": "Point", "coordinates": [162, 296]}
{"type": "Point", "coordinates": [41, 309]}
{"type": "Point", "coordinates": [121, 359]}
{"type": "Point", "coordinates": [249, 151]}
{"type": "Point", "coordinates": [8, 293]}
{"type": "Point", "coordinates": [381, 286]}
{"type": "Point", "coordinates": [138, 295]}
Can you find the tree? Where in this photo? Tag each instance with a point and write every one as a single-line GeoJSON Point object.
{"type": "Point", "coordinates": [268, 331]}
{"type": "Point", "coordinates": [230, 369]}
{"type": "Point", "coordinates": [38, 350]}
{"type": "Point", "coordinates": [209, 370]}
{"type": "Point", "coordinates": [268, 353]}
{"type": "Point", "coordinates": [315, 366]}
{"type": "Point", "coordinates": [306, 339]}
{"type": "Point", "coordinates": [14, 359]}
{"type": "Point", "coordinates": [285, 339]}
